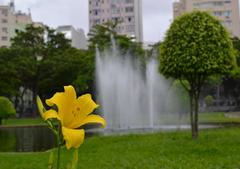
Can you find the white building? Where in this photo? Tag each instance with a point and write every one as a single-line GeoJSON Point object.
{"type": "Point", "coordinates": [77, 36]}
{"type": "Point", "coordinates": [128, 12]}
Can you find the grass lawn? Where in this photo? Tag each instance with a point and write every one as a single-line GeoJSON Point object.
{"type": "Point", "coordinates": [217, 117]}
{"type": "Point", "coordinates": [215, 149]}
{"type": "Point", "coordinates": [22, 121]}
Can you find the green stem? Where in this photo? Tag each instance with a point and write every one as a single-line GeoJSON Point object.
{"type": "Point", "coordinates": [59, 145]}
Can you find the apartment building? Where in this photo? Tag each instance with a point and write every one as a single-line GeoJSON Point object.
{"type": "Point", "coordinates": [227, 11]}
{"type": "Point", "coordinates": [77, 36]}
{"type": "Point", "coordinates": [127, 12]}
{"type": "Point", "coordinates": [11, 21]}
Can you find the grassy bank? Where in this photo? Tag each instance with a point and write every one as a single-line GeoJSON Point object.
{"type": "Point", "coordinates": [215, 149]}
{"type": "Point", "coordinates": [22, 122]}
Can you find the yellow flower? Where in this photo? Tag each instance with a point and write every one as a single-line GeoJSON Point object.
{"type": "Point", "coordinates": [72, 112]}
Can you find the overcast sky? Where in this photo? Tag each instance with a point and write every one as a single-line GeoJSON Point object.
{"type": "Point", "coordinates": [157, 14]}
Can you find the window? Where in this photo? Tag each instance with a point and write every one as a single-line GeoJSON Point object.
{"type": "Point", "coordinates": [227, 13]}
{"type": "Point", "coordinates": [4, 38]}
{"type": "Point", "coordinates": [5, 30]}
{"type": "Point", "coordinates": [129, 1]}
{"type": "Point", "coordinates": [96, 21]}
{"type": "Point", "coordinates": [227, 2]}
{"type": "Point", "coordinates": [217, 13]}
{"type": "Point", "coordinates": [116, 10]}
{"type": "Point", "coordinates": [4, 12]}
{"type": "Point", "coordinates": [130, 19]}
{"type": "Point", "coordinates": [4, 21]}
{"type": "Point", "coordinates": [130, 28]}
{"type": "Point", "coordinates": [228, 23]}
{"type": "Point", "coordinates": [222, 13]}
{"type": "Point", "coordinates": [129, 9]}
{"type": "Point", "coordinates": [116, 1]}
{"type": "Point", "coordinates": [208, 4]}
{"type": "Point", "coordinates": [96, 11]}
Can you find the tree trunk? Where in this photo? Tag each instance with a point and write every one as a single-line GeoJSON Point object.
{"type": "Point", "coordinates": [195, 132]}
{"type": "Point", "coordinates": [34, 106]}
{"type": "Point", "coordinates": [194, 96]}
{"type": "Point", "coordinates": [22, 103]}
{"type": "Point", "coordinates": [0, 121]}
{"type": "Point", "coordinates": [191, 112]}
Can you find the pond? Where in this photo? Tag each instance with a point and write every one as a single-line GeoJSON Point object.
{"type": "Point", "coordinates": [26, 139]}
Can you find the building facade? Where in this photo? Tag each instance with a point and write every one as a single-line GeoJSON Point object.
{"type": "Point", "coordinates": [127, 12]}
{"type": "Point", "coordinates": [77, 36]}
{"type": "Point", "coordinates": [227, 11]}
{"type": "Point", "coordinates": [11, 21]}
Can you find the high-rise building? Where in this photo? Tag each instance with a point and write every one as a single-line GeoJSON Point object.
{"type": "Point", "coordinates": [77, 36]}
{"type": "Point", "coordinates": [227, 11]}
{"type": "Point", "coordinates": [127, 12]}
{"type": "Point", "coordinates": [11, 21]}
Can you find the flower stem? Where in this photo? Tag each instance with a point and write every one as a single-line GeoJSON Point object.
{"type": "Point", "coordinates": [59, 145]}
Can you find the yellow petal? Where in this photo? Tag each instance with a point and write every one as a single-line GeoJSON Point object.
{"type": "Point", "coordinates": [86, 104]}
{"type": "Point", "coordinates": [82, 108]}
{"type": "Point", "coordinates": [73, 137]}
{"type": "Point", "coordinates": [65, 102]}
{"type": "Point", "coordinates": [40, 106]}
{"type": "Point", "coordinates": [51, 114]}
{"type": "Point", "coordinates": [94, 119]}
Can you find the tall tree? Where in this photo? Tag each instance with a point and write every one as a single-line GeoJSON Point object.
{"type": "Point", "coordinates": [72, 66]}
{"type": "Point", "coordinates": [196, 46]}
{"type": "Point", "coordinates": [9, 82]}
{"type": "Point", "coordinates": [36, 44]}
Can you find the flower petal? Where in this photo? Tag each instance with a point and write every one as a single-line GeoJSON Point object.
{"type": "Point", "coordinates": [73, 137]}
{"type": "Point", "coordinates": [86, 104]}
{"type": "Point", "coordinates": [65, 102]}
{"type": "Point", "coordinates": [95, 119]}
{"type": "Point", "coordinates": [51, 114]}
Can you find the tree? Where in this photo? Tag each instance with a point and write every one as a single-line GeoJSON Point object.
{"type": "Point", "coordinates": [9, 81]}
{"type": "Point", "coordinates": [36, 44]}
{"type": "Point", "coordinates": [72, 66]}
{"type": "Point", "coordinates": [208, 100]}
{"type": "Point", "coordinates": [102, 36]}
{"type": "Point", "coordinates": [196, 46]}
{"type": "Point", "coordinates": [6, 108]}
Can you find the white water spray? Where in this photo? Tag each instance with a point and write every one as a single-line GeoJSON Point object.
{"type": "Point", "coordinates": [130, 97]}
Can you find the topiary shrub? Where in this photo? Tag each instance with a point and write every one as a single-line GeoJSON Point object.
{"type": "Point", "coordinates": [6, 109]}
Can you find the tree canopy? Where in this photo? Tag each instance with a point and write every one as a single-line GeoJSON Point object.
{"type": "Point", "coordinates": [102, 36]}
{"type": "Point", "coordinates": [42, 60]}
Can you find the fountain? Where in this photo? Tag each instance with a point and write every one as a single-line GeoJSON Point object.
{"type": "Point", "coordinates": [130, 96]}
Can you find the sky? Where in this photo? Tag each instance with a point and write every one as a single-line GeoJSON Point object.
{"type": "Point", "coordinates": [157, 14]}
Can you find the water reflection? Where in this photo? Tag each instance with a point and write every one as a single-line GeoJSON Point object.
{"type": "Point", "coordinates": [26, 139]}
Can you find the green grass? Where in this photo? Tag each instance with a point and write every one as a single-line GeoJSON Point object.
{"type": "Point", "coordinates": [23, 122]}
{"type": "Point", "coordinates": [217, 117]}
{"type": "Point", "coordinates": [215, 149]}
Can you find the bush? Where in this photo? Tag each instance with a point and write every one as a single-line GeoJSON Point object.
{"type": "Point", "coordinates": [6, 108]}
{"type": "Point", "coordinates": [208, 100]}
